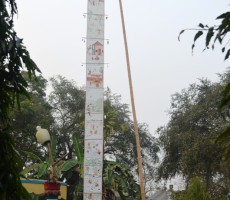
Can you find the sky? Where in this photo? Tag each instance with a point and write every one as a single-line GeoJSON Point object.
{"type": "Point", "coordinates": [52, 31]}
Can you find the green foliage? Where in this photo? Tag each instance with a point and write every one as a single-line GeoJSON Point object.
{"type": "Point", "coordinates": [224, 137]}
{"type": "Point", "coordinates": [32, 113]}
{"type": "Point", "coordinates": [10, 165]}
{"type": "Point", "coordinates": [219, 34]}
{"type": "Point", "coordinates": [214, 34]}
{"type": "Point", "coordinates": [13, 59]}
{"type": "Point", "coordinates": [119, 130]}
{"type": "Point", "coordinates": [78, 148]}
{"type": "Point", "coordinates": [196, 191]}
{"type": "Point", "coordinates": [67, 103]}
{"type": "Point", "coordinates": [40, 168]}
{"type": "Point", "coordinates": [225, 101]}
{"type": "Point", "coordinates": [189, 138]}
{"type": "Point", "coordinates": [118, 127]}
{"type": "Point", "coordinates": [116, 115]}
{"type": "Point", "coordinates": [67, 165]}
{"type": "Point", "coordinates": [68, 107]}
{"type": "Point", "coordinates": [117, 177]}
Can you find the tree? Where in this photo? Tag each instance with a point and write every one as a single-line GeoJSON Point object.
{"type": "Point", "coordinates": [13, 59]}
{"type": "Point", "coordinates": [196, 191]}
{"type": "Point", "coordinates": [68, 102]}
{"type": "Point", "coordinates": [119, 178]}
{"type": "Point", "coordinates": [189, 138]}
{"type": "Point", "coordinates": [33, 112]}
{"type": "Point", "coordinates": [217, 34]}
{"type": "Point", "coordinates": [119, 130]}
{"type": "Point", "coordinates": [68, 109]}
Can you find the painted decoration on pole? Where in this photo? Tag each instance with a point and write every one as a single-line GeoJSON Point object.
{"type": "Point", "coordinates": [93, 179]}
{"type": "Point", "coordinates": [93, 130]}
{"type": "Point", "coordinates": [94, 101]}
{"type": "Point", "coordinates": [93, 171]}
{"type": "Point", "coordinates": [92, 184]}
{"type": "Point", "coordinates": [94, 76]}
{"type": "Point", "coordinates": [92, 161]}
{"type": "Point", "coordinates": [95, 50]}
{"type": "Point", "coordinates": [94, 148]}
{"type": "Point", "coordinates": [94, 111]}
{"type": "Point", "coordinates": [91, 196]}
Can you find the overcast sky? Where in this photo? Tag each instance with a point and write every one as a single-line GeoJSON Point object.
{"type": "Point", "coordinates": [161, 65]}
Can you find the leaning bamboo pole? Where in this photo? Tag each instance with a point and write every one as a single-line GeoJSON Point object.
{"type": "Point", "coordinates": [133, 106]}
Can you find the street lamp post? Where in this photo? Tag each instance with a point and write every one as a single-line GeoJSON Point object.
{"type": "Point", "coordinates": [52, 188]}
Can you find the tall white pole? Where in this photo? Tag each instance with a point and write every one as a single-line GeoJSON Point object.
{"type": "Point", "coordinates": [94, 113]}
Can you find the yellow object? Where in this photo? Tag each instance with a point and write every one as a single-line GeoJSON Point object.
{"type": "Point", "coordinates": [37, 187]}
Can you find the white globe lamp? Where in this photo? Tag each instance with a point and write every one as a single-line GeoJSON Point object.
{"type": "Point", "coordinates": [42, 135]}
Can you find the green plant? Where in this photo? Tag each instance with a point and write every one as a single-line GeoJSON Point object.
{"type": "Point", "coordinates": [14, 58]}
{"type": "Point", "coordinates": [42, 167]}
{"type": "Point", "coordinates": [195, 191]}
{"type": "Point", "coordinates": [10, 185]}
{"type": "Point", "coordinates": [118, 178]}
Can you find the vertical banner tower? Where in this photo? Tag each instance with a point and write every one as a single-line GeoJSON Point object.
{"type": "Point", "coordinates": [94, 112]}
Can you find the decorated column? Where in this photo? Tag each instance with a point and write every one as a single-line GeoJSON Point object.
{"type": "Point", "coordinates": [94, 113]}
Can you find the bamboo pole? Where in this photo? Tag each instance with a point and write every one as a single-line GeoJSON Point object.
{"type": "Point", "coordinates": [133, 106]}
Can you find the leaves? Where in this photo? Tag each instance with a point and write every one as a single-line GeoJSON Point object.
{"type": "Point", "coordinates": [43, 169]}
{"type": "Point", "coordinates": [29, 169]}
{"type": "Point", "coordinates": [182, 31]}
{"type": "Point", "coordinates": [13, 59]}
{"type": "Point", "coordinates": [224, 136]}
{"type": "Point", "coordinates": [198, 34]}
{"type": "Point", "coordinates": [78, 148]}
{"type": "Point", "coordinates": [209, 36]}
{"type": "Point", "coordinates": [224, 139]}
{"type": "Point", "coordinates": [196, 190]}
{"type": "Point", "coordinates": [68, 103]}
{"type": "Point", "coordinates": [10, 166]}
{"type": "Point", "coordinates": [220, 34]}
{"type": "Point", "coordinates": [224, 15]}
{"type": "Point", "coordinates": [117, 177]}
{"type": "Point", "coordinates": [217, 32]}
{"type": "Point", "coordinates": [227, 54]}
{"type": "Point", "coordinates": [32, 155]}
{"type": "Point", "coordinates": [223, 49]}
{"type": "Point", "coordinates": [13, 86]}
{"type": "Point", "coordinates": [67, 165]}
{"type": "Point", "coordinates": [201, 25]}
{"type": "Point", "coordinates": [225, 100]}
{"type": "Point", "coordinates": [189, 137]}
